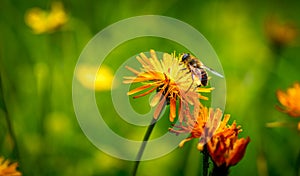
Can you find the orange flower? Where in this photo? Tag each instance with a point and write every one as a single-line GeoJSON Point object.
{"type": "Point", "coordinates": [280, 33]}
{"type": "Point", "coordinates": [224, 148]}
{"type": "Point", "coordinates": [290, 100]}
{"type": "Point", "coordinates": [8, 169]}
{"type": "Point", "coordinates": [171, 82]}
{"type": "Point", "coordinates": [221, 139]}
{"type": "Point", "coordinates": [203, 128]}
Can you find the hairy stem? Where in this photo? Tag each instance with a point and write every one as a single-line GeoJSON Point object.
{"type": "Point", "coordinates": [205, 160]}
{"type": "Point", "coordinates": [142, 148]}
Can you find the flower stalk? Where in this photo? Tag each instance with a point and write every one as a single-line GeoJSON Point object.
{"type": "Point", "coordinates": [205, 160]}
{"type": "Point", "coordinates": [220, 170]}
{"type": "Point", "coordinates": [143, 146]}
{"type": "Point", "coordinates": [8, 122]}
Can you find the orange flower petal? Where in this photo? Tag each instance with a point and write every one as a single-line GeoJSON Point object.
{"type": "Point", "coordinates": [144, 57]}
{"type": "Point", "coordinates": [282, 98]}
{"type": "Point", "coordinates": [203, 97]}
{"type": "Point", "coordinates": [137, 79]}
{"type": "Point", "coordinates": [156, 99]}
{"type": "Point", "coordinates": [132, 70]}
{"type": "Point", "coordinates": [159, 108]}
{"type": "Point", "coordinates": [145, 93]}
{"type": "Point", "coordinates": [172, 109]}
{"type": "Point", "coordinates": [224, 121]}
{"type": "Point", "coordinates": [153, 54]}
{"type": "Point", "coordinates": [141, 88]}
{"type": "Point", "coordinates": [145, 61]}
{"type": "Point", "coordinates": [238, 151]}
{"type": "Point", "coordinates": [214, 122]}
{"type": "Point", "coordinates": [290, 100]}
{"type": "Point", "coordinates": [141, 60]}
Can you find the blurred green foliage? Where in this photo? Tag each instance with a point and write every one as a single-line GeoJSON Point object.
{"type": "Point", "coordinates": [36, 72]}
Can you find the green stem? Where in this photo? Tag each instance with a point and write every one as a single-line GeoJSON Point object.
{"type": "Point", "coordinates": [205, 160]}
{"type": "Point", "coordinates": [220, 171]}
{"type": "Point", "coordinates": [142, 148]}
{"type": "Point", "coordinates": [297, 169]}
{"type": "Point", "coordinates": [8, 122]}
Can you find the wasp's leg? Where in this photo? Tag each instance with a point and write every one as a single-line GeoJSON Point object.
{"type": "Point", "coordinates": [185, 69]}
{"type": "Point", "coordinates": [191, 84]}
{"type": "Point", "coordinates": [188, 72]}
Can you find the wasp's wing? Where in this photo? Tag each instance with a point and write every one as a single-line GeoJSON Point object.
{"type": "Point", "coordinates": [196, 72]}
{"type": "Point", "coordinates": [212, 71]}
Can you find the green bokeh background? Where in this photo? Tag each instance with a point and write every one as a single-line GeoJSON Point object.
{"type": "Point", "coordinates": [37, 72]}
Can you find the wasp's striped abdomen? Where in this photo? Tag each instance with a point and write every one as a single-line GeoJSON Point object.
{"type": "Point", "coordinates": [204, 78]}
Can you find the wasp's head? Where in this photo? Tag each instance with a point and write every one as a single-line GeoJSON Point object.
{"type": "Point", "coordinates": [185, 56]}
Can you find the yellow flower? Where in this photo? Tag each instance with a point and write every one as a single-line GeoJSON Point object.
{"type": "Point", "coordinates": [171, 82]}
{"type": "Point", "coordinates": [103, 80]}
{"type": "Point", "coordinates": [8, 169]}
{"type": "Point", "coordinates": [42, 21]}
{"type": "Point", "coordinates": [290, 100]}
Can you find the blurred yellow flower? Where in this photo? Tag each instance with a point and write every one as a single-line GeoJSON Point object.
{"type": "Point", "coordinates": [41, 21]}
{"type": "Point", "coordinates": [290, 100]}
{"type": "Point", "coordinates": [168, 78]}
{"type": "Point", "coordinates": [103, 80]}
{"type": "Point", "coordinates": [8, 169]}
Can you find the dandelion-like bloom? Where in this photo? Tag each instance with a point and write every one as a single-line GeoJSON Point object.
{"type": "Point", "coordinates": [290, 100]}
{"type": "Point", "coordinates": [8, 169]}
{"type": "Point", "coordinates": [42, 21]}
{"type": "Point", "coordinates": [170, 80]}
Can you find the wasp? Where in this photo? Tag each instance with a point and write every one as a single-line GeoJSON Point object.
{"type": "Point", "coordinates": [197, 69]}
